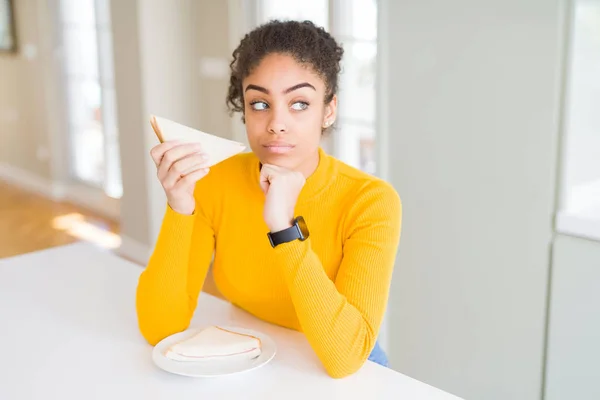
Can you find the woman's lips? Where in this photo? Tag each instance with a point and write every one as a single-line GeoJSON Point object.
{"type": "Point", "coordinates": [279, 148]}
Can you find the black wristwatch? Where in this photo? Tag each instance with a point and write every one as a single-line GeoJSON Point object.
{"type": "Point", "coordinates": [298, 231]}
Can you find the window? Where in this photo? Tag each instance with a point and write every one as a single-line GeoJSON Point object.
{"type": "Point", "coordinates": [7, 27]}
{"type": "Point", "coordinates": [354, 24]}
{"type": "Point", "coordinates": [91, 100]}
{"type": "Point", "coordinates": [580, 208]}
{"type": "Point", "coordinates": [313, 10]}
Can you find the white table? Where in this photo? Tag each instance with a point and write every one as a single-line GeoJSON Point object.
{"type": "Point", "coordinates": [68, 330]}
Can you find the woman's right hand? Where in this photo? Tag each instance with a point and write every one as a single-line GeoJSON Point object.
{"type": "Point", "coordinates": [179, 166]}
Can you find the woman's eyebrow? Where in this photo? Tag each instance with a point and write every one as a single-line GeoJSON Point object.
{"type": "Point", "coordinates": [286, 91]}
{"type": "Point", "coordinates": [256, 87]}
{"type": "Point", "coordinates": [298, 86]}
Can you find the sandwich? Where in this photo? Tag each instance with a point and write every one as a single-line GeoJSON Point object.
{"type": "Point", "coordinates": [217, 148]}
{"type": "Point", "coordinates": [215, 343]}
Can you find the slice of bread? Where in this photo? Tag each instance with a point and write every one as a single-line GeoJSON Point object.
{"type": "Point", "coordinates": [217, 148]}
{"type": "Point", "coordinates": [215, 343]}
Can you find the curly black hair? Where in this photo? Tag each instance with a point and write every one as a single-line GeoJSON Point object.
{"type": "Point", "coordinates": [307, 43]}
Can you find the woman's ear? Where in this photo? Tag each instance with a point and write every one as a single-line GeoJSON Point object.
{"type": "Point", "coordinates": [330, 112]}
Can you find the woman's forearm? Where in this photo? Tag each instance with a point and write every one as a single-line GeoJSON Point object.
{"type": "Point", "coordinates": [340, 334]}
{"type": "Point", "coordinates": [168, 288]}
{"type": "Point", "coordinates": [341, 319]}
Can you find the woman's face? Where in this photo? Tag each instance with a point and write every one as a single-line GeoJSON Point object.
{"type": "Point", "coordinates": [285, 112]}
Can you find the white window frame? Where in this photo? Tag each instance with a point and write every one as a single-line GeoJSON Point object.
{"type": "Point", "coordinates": [70, 186]}
{"type": "Point", "coordinates": [109, 125]}
{"type": "Point", "coordinates": [337, 24]}
{"type": "Point", "coordinates": [579, 204]}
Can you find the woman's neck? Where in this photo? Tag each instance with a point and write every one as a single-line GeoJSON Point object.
{"type": "Point", "coordinates": [310, 165]}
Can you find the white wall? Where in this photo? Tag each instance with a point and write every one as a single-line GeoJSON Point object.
{"type": "Point", "coordinates": [574, 324]}
{"type": "Point", "coordinates": [472, 129]}
{"type": "Point", "coordinates": [135, 209]}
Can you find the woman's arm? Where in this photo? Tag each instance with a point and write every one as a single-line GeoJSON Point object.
{"type": "Point", "coordinates": [341, 320]}
{"type": "Point", "coordinates": [168, 288]}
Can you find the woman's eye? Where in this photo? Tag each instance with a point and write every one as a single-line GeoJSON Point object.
{"type": "Point", "coordinates": [299, 106]}
{"type": "Point", "coordinates": [259, 105]}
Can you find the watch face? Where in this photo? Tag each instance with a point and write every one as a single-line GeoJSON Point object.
{"type": "Point", "coordinates": [303, 228]}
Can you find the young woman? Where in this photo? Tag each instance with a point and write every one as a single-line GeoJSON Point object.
{"type": "Point", "coordinates": [299, 238]}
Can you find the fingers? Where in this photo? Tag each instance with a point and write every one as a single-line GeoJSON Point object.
{"type": "Point", "coordinates": [174, 154]}
{"type": "Point", "coordinates": [158, 151]}
{"type": "Point", "coordinates": [264, 185]}
{"type": "Point", "coordinates": [183, 167]}
{"type": "Point", "coordinates": [188, 164]}
{"type": "Point", "coordinates": [191, 178]}
{"type": "Point", "coordinates": [267, 174]}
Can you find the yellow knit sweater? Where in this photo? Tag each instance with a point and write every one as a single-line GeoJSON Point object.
{"type": "Point", "coordinates": [333, 286]}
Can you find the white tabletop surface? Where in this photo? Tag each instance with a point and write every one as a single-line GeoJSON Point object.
{"type": "Point", "coordinates": [68, 330]}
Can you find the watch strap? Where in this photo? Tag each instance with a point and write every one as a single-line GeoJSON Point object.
{"type": "Point", "coordinates": [294, 232]}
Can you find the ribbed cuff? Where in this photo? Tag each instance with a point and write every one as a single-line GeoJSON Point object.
{"type": "Point", "coordinates": [179, 225]}
{"type": "Point", "coordinates": [174, 238]}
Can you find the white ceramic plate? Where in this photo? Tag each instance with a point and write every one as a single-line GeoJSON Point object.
{"type": "Point", "coordinates": [212, 368]}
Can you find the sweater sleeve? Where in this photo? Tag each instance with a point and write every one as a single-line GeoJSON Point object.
{"type": "Point", "coordinates": [169, 287]}
{"type": "Point", "coordinates": [341, 318]}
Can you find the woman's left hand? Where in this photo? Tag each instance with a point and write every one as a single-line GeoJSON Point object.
{"type": "Point", "coordinates": [282, 188]}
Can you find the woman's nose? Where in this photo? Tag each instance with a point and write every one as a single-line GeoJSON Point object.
{"type": "Point", "coordinates": [277, 124]}
{"type": "Point", "coordinates": [277, 128]}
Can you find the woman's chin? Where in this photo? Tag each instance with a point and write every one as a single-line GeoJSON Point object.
{"type": "Point", "coordinates": [279, 160]}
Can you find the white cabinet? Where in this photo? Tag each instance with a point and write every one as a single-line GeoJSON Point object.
{"type": "Point", "coordinates": [573, 363]}
{"type": "Point", "coordinates": [473, 99]}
